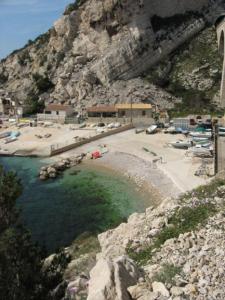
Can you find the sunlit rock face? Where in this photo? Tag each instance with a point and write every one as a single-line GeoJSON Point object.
{"type": "Point", "coordinates": [101, 48]}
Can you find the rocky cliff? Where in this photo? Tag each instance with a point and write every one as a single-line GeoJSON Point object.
{"type": "Point", "coordinates": [99, 50]}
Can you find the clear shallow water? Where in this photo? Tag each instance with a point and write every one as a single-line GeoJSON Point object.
{"type": "Point", "coordinates": [56, 212]}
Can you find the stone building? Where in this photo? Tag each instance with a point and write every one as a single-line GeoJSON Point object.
{"type": "Point", "coordinates": [7, 105]}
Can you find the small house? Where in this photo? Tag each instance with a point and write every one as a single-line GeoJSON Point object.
{"type": "Point", "coordinates": [56, 113]}
{"type": "Point", "coordinates": [102, 112]}
{"type": "Point", "coordinates": [59, 110]}
{"type": "Point", "coordinates": [7, 106]}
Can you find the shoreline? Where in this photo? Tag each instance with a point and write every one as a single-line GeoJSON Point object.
{"type": "Point", "coordinates": [147, 191]}
{"type": "Point", "coordinates": [147, 177]}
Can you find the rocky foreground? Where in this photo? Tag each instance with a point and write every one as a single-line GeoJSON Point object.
{"type": "Point", "coordinates": [175, 251]}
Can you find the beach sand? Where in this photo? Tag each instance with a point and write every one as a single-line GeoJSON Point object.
{"type": "Point", "coordinates": [172, 175]}
{"type": "Point", "coordinates": [130, 154]}
{"type": "Point", "coordinates": [29, 144]}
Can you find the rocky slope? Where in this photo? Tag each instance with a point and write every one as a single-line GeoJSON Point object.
{"type": "Point", "coordinates": [98, 51]}
{"type": "Point", "coordinates": [172, 252]}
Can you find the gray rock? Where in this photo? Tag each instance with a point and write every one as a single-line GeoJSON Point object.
{"type": "Point", "coordinates": [159, 287]}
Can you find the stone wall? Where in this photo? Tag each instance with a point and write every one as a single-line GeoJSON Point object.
{"type": "Point", "coordinates": [57, 149]}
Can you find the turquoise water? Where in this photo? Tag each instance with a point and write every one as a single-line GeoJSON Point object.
{"type": "Point", "coordinates": [56, 212]}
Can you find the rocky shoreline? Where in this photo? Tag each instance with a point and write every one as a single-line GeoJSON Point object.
{"type": "Point", "coordinates": [53, 170]}
{"type": "Point", "coordinates": [174, 251]}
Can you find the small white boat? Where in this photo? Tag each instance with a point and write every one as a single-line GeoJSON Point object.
{"type": "Point", "coordinates": [200, 139]}
{"type": "Point", "coordinates": [182, 144]}
{"type": "Point", "coordinates": [221, 133]}
{"type": "Point", "coordinates": [15, 134]}
{"type": "Point", "coordinates": [10, 140]}
{"type": "Point", "coordinates": [139, 130]}
{"type": "Point", "coordinates": [5, 134]}
{"type": "Point", "coordinates": [201, 134]}
{"type": "Point", "coordinates": [170, 129]}
{"type": "Point", "coordinates": [152, 129]}
{"type": "Point", "coordinates": [202, 152]}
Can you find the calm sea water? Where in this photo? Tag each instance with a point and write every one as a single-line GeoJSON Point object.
{"type": "Point", "coordinates": [56, 212]}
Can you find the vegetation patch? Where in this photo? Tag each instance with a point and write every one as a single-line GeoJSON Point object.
{"type": "Point", "coordinates": [73, 6]}
{"type": "Point", "coordinates": [24, 58]}
{"type": "Point", "coordinates": [203, 191]}
{"type": "Point", "coordinates": [3, 78]}
{"type": "Point", "coordinates": [187, 67]}
{"type": "Point", "coordinates": [184, 219]}
{"type": "Point", "coordinates": [43, 83]}
{"type": "Point", "coordinates": [32, 103]}
{"type": "Point", "coordinates": [167, 274]}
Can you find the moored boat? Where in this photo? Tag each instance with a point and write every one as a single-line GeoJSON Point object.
{"type": "Point", "coordinates": [198, 134]}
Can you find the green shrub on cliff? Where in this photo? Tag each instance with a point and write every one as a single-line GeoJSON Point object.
{"type": "Point", "coordinates": [21, 261]}
{"type": "Point", "coordinates": [42, 83]}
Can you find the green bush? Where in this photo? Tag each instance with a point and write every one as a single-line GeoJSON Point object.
{"type": "Point", "coordinates": [43, 83]}
{"type": "Point", "coordinates": [73, 6]}
{"type": "Point", "coordinates": [3, 78]}
{"type": "Point", "coordinates": [203, 191]}
{"type": "Point", "coordinates": [167, 274]}
{"type": "Point", "coordinates": [24, 57]}
{"type": "Point", "coordinates": [33, 105]}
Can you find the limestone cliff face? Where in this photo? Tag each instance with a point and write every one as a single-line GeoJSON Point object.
{"type": "Point", "coordinates": [96, 53]}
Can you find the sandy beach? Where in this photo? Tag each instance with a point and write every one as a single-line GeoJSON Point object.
{"type": "Point", "coordinates": [145, 159]}
{"type": "Point", "coordinates": [28, 142]}
{"type": "Point", "coordinates": [171, 175]}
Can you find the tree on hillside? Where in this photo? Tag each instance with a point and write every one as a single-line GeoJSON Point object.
{"type": "Point", "coordinates": [21, 261]}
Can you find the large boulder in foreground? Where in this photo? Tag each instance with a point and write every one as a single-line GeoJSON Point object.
{"type": "Point", "coordinates": [111, 278]}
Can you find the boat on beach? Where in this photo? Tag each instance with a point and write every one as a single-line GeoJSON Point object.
{"type": "Point", "coordinates": [10, 140]}
{"type": "Point", "coordinates": [202, 152]}
{"type": "Point", "coordinates": [200, 139]}
{"type": "Point", "coordinates": [221, 131]}
{"type": "Point", "coordinates": [181, 144]}
{"type": "Point", "coordinates": [152, 129]}
{"type": "Point", "coordinates": [5, 134]}
{"type": "Point", "coordinates": [198, 134]}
